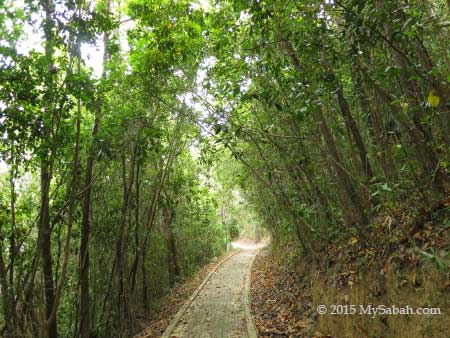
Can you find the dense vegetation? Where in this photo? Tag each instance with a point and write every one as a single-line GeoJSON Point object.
{"type": "Point", "coordinates": [118, 181]}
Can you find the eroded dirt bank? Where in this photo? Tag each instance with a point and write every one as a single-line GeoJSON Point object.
{"type": "Point", "coordinates": [285, 298]}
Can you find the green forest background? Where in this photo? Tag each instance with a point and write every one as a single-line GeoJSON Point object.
{"type": "Point", "coordinates": [314, 122]}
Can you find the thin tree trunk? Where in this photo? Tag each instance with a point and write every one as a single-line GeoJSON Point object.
{"type": "Point", "coordinates": [7, 303]}
{"type": "Point", "coordinates": [73, 186]}
{"type": "Point", "coordinates": [46, 174]}
{"type": "Point", "coordinates": [172, 259]}
{"type": "Point", "coordinates": [86, 208]}
{"type": "Point", "coordinates": [84, 241]}
{"type": "Point", "coordinates": [352, 126]}
{"type": "Point", "coordinates": [153, 206]}
{"type": "Point", "coordinates": [423, 138]}
{"type": "Point", "coordinates": [122, 292]}
{"type": "Point", "coordinates": [45, 246]}
{"type": "Point", "coordinates": [9, 297]}
{"type": "Point", "coordinates": [137, 222]}
{"type": "Point", "coordinates": [343, 178]}
{"type": "Point", "coordinates": [349, 121]}
{"type": "Point", "coordinates": [145, 299]}
{"type": "Point", "coordinates": [376, 126]}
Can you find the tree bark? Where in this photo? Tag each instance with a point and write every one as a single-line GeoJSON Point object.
{"type": "Point", "coordinates": [342, 175]}
{"type": "Point", "coordinates": [352, 126]}
{"type": "Point", "coordinates": [86, 207]}
{"type": "Point", "coordinates": [46, 173]}
{"type": "Point", "coordinates": [172, 256]}
{"type": "Point", "coordinates": [45, 247]}
{"type": "Point", "coordinates": [7, 302]}
{"type": "Point", "coordinates": [85, 232]}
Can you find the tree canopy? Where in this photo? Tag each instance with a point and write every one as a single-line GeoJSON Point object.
{"type": "Point", "coordinates": [138, 137]}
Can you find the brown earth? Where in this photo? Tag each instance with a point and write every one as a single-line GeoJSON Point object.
{"type": "Point", "coordinates": [285, 298]}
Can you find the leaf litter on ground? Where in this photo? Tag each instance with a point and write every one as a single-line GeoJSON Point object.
{"type": "Point", "coordinates": [281, 303]}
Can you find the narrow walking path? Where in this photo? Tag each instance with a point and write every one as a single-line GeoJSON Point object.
{"type": "Point", "coordinates": [219, 309]}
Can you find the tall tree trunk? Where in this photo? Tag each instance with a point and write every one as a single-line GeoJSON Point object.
{"type": "Point", "coordinates": [7, 302]}
{"type": "Point", "coordinates": [172, 257]}
{"type": "Point", "coordinates": [161, 179]}
{"type": "Point", "coordinates": [353, 128]}
{"type": "Point", "coordinates": [344, 180]}
{"type": "Point", "coordinates": [86, 206]}
{"type": "Point", "coordinates": [10, 297]}
{"type": "Point", "coordinates": [137, 206]}
{"type": "Point", "coordinates": [85, 232]}
{"type": "Point", "coordinates": [46, 172]}
{"type": "Point", "coordinates": [349, 120]}
{"type": "Point", "coordinates": [123, 294]}
{"type": "Point", "coordinates": [72, 191]}
{"type": "Point", "coordinates": [45, 246]}
{"type": "Point", "coordinates": [145, 299]}
{"type": "Point", "coordinates": [376, 128]}
{"type": "Point", "coordinates": [423, 138]}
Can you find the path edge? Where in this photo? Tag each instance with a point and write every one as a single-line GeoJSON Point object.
{"type": "Point", "coordinates": [173, 323]}
{"type": "Point", "coordinates": [251, 329]}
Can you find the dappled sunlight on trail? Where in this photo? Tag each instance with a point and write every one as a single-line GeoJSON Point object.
{"type": "Point", "coordinates": [249, 244]}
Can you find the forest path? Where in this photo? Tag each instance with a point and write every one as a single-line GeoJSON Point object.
{"type": "Point", "coordinates": [219, 310]}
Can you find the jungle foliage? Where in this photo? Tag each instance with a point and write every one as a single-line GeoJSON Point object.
{"type": "Point", "coordinates": [313, 117]}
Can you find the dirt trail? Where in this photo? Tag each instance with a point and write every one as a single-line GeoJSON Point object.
{"type": "Point", "coordinates": [219, 309]}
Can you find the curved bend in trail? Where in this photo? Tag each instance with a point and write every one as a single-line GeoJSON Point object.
{"type": "Point", "coordinates": [219, 310]}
